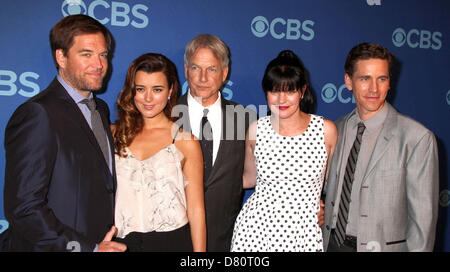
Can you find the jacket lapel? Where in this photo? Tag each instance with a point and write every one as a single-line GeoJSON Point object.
{"type": "Point", "coordinates": [184, 122]}
{"type": "Point", "coordinates": [78, 119]}
{"type": "Point", "coordinates": [383, 140]}
{"type": "Point", "coordinates": [338, 156]}
{"type": "Point", "coordinates": [223, 145]}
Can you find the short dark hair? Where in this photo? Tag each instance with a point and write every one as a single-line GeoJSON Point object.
{"type": "Point", "coordinates": [365, 51]}
{"type": "Point", "coordinates": [286, 73]}
{"type": "Point", "coordinates": [63, 33]}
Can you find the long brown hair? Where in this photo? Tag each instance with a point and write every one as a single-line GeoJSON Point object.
{"type": "Point", "coordinates": [130, 122]}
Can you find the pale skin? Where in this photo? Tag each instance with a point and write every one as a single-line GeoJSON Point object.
{"type": "Point", "coordinates": [83, 67]}
{"type": "Point", "coordinates": [205, 75]}
{"type": "Point", "coordinates": [370, 84]}
{"type": "Point", "coordinates": [109, 246]}
{"type": "Point", "coordinates": [287, 120]}
{"type": "Point", "coordinates": [85, 64]}
{"type": "Point", "coordinates": [152, 93]}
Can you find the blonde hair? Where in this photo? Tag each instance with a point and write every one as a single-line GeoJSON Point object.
{"type": "Point", "coordinates": [212, 42]}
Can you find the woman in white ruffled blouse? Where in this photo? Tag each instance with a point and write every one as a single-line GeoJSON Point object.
{"type": "Point", "coordinates": [159, 198]}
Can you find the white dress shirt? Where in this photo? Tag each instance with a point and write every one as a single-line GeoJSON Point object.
{"type": "Point", "coordinates": [214, 118]}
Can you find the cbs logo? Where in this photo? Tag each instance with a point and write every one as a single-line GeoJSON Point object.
{"type": "Point", "coordinates": [448, 97]}
{"type": "Point", "coordinates": [119, 14]}
{"type": "Point", "coordinates": [329, 94]}
{"type": "Point", "coordinates": [444, 198]}
{"type": "Point", "coordinates": [10, 80]}
{"type": "Point", "coordinates": [226, 92]}
{"type": "Point", "coordinates": [279, 28]}
{"type": "Point", "coordinates": [417, 38]}
{"type": "Point", "coordinates": [374, 2]}
{"type": "Point", "coordinates": [3, 225]}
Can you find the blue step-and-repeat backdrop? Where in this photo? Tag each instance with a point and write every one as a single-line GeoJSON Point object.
{"type": "Point", "coordinates": [321, 32]}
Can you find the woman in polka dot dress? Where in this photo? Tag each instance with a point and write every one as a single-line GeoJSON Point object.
{"type": "Point", "coordinates": [286, 158]}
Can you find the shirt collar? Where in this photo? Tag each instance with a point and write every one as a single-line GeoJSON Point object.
{"type": "Point", "coordinates": [76, 96]}
{"type": "Point", "coordinates": [216, 106]}
{"type": "Point", "coordinates": [375, 122]}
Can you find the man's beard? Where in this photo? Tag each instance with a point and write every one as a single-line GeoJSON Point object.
{"type": "Point", "coordinates": [83, 85]}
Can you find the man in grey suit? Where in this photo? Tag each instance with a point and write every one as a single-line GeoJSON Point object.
{"type": "Point", "coordinates": [382, 189]}
{"type": "Point", "coordinates": [204, 111]}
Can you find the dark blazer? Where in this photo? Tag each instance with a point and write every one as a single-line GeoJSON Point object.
{"type": "Point", "coordinates": [58, 187]}
{"type": "Point", "coordinates": [223, 189]}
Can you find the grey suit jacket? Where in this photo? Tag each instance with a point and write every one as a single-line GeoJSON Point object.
{"type": "Point", "coordinates": [223, 189]}
{"type": "Point", "coordinates": [399, 192]}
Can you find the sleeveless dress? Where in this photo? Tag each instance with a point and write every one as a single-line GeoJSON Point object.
{"type": "Point", "coordinates": [281, 215]}
{"type": "Point", "coordinates": [150, 212]}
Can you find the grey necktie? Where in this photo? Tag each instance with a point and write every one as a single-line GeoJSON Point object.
{"type": "Point", "coordinates": [341, 223]}
{"type": "Point", "coordinates": [97, 128]}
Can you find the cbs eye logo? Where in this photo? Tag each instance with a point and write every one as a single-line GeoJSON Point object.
{"type": "Point", "coordinates": [260, 26]}
{"type": "Point", "coordinates": [3, 225]}
{"type": "Point", "coordinates": [72, 7]}
{"type": "Point", "coordinates": [330, 93]}
{"type": "Point", "coordinates": [444, 198]}
{"type": "Point", "coordinates": [448, 97]}
{"type": "Point", "coordinates": [374, 2]}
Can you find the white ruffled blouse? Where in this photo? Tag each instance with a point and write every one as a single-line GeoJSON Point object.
{"type": "Point", "coordinates": [150, 193]}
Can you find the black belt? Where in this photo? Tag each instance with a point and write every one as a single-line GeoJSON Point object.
{"type": "Point", "coordinates": [349, 241]}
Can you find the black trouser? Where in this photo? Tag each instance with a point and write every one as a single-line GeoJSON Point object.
{"type": "Point", "coordinates": [178, 240]}
{"type": "Point", "coordinates": [349, 244]}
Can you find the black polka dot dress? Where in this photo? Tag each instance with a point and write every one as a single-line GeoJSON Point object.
{"type": "Point", "coordinates": [281, 215]}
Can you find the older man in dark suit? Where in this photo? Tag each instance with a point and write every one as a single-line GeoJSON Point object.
{"type": "Point", "coordinates": [60, 178]}
{"type": "Point", "coordinates": [220, 126]}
